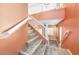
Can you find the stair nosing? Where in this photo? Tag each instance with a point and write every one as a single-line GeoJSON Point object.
{"type": "Point", "coordinates": [34, 33]}
{"type": "Point", "coordinates": [36, 47]}
{"type": "Point", "coordinates": [44, 49]}
{"type": "Point", "coordinates": [25, 53]}
{"type": "Point", "coordinates": [30, 40]}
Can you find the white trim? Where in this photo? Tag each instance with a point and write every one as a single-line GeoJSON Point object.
{"type": "Point", "coordinates": [60, 35]}
{"type": "Point", "coordinates": [69, 51]}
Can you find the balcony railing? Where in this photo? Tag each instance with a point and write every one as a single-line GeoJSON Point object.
{"type": "Point", "coordinates": [38, 26]}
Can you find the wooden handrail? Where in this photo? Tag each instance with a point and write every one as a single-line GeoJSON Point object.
{"type": "Point", "coordinates": [13, 30]}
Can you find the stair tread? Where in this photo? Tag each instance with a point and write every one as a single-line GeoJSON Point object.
{"type": "Point", "coordinates": [55, 51]}
{"type": "Point", "coordinates": [36, 47]}
{"type": "Point", "coordinates": [30, 40]}
{"type": "Point", "coordinates": [29, 49]}
{"type": "Point", "coordinates": [31, 36]}
{"type": "Point", "coordinates": [40, 50]}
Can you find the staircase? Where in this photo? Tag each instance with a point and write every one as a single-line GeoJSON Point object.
{"type": "Point", "coordinates": [38, 46]}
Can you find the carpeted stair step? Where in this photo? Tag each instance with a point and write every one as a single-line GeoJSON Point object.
{"type": "Point", "coordinates": [30, 49]}
{"type": "Point", "coordinates": [32, 40]}
{"type": "Point", "coordinates": [40, 50]}
{"type": "Point", "coordinates": [30, 36]}
{"type": "Point", "coordinates": [55, 51]}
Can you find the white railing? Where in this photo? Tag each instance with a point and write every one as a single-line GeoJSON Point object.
{"type": "Point", "coordinates": [34, 22]}
{"type": "Point", "coordinates": [13, 29]}
{"type": "Point", "coordinates": [42, 7]}
{"type": "Point", "coordinates": [39, 26]}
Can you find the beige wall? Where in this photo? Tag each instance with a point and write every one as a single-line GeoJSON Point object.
{"type": "Point", "coordinates": [11, 14]}
{"type": "Point", "coordinates": [51, 14]}
{"type": "Point", "coordinates": [71, 22]}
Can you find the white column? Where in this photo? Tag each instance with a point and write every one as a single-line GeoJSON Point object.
{"type": "Point", "coordinates": [60, 35]}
